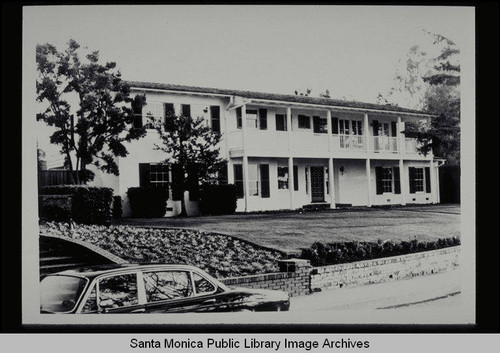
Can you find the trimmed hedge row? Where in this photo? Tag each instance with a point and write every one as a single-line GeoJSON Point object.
{"type": "Point", "coordinates": [148, 202]}
{"type": "Point", "coordinates": [89, 205]}
{"type": "Point", "coordinates": [218, 199]}
{"type": "Point", "coordinates": [344, 252]}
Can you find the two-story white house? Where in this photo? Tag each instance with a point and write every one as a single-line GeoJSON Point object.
{"type": "Point", "coordinates": [289, 151]}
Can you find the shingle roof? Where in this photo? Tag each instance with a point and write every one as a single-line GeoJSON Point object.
{"type": "Point", "coordinates": [276, 97]}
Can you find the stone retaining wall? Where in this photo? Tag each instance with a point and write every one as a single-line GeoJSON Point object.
{"type": "Point", "coordinates": [298, 277]}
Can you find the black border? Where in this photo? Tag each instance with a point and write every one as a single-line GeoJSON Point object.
{"type": "Point", "coordinates": [486, 203]}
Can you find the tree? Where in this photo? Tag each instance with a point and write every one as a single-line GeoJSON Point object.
{"type": "Point", "coordinates": [432, 83]}
{"type": "Point", "coordinates": [192, 148]}
{"type": "Point", "coordinates": [92, 128]}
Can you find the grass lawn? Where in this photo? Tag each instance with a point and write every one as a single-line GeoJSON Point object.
{"type": "Point", "coordinates": [293, 231]}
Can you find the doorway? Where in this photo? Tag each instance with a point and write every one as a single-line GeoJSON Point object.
{"type": "Point", "coordinates": [317, 184]}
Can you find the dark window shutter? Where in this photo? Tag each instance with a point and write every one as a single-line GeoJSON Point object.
{"type": "Point", "coordinates": [193, 186]}
{"type": "Point", "coordinates": [186, 110]}
{"type": "Point", "coordinates": [280, 122]}
{"type": "Point", "coordinates": [295, 178]}
{"type": "Point", "coordinates": [177, 181]}
{"type": "Point", "coordinates": [411, 177]}
{"type": "Point", "coordinates": [264, 180]}
{"type": "Point", "coordinates": [144, 177]}
{"type": "Point", "coordinates": [238, 180]}
{"type": "Point", "coordinates": [222, 174]}
{"type": "Point", "coordinates": [215, 117]}
{"type": "Point", "coordinates": [238, 118]}
{"type": "Point", "coordinates": [335, 125]}
{"type": "Point", "coordinates": [375, 127]}
{"type": "Point", "coordinates": [427, 179]}
{"type": "Point", "coordinates": [397, 181]}
{"type": "Point", "coordinates": [394, 129]}
{"type": "Point", "coordinates": [169, 113]}
{"type": "Point", "coordinates": [263, 119]}
{"type": "Point", "coordinates": [378, 179]}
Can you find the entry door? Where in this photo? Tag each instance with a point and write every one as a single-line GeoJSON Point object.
{"type": "Point", "coordinates": [317, 184]}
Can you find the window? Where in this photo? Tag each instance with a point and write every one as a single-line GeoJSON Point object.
{"type": "Point", "coordinates": [356, 127]}
{"type": "Point", "coordinates": [253, 180]}
{"type": "Point", "coordinates": [282, 177]}
{"type": "Point", "coordinates": [59, 294]}
{"type": "Point", "coordinates": [319, 125]}
{"type": "Point", "coordinates": [186, 110]}
{"type": "Point", "coordinates": [304, 122]}
{"type": "Point", "coordinates": [118, 291]}
{"type": "Point", "coordinates": [91, 303]}
{"type": "Point", "coordinates": [295, 178]}
{"type": "Point", "coordinates": [344, 127]}
{"type": "Point", "coordinates": [153, 114]}
{"type": "Point", "coordinates": [387, 180]}
{"type": "Point", "coordinates": [280, 122]}
{"type": "Point", "coordinates": [166, 285]}
{"type": "Point", "coordinates": [263, 119]}
{"type": "Point", "coordinates": [251, 118]}
{"type": "Point", "coordinates": [335, 125]}
{"type": "Point", "coordinates": [202, 285]}
{"type": "Point", "coordinates": [238, 118]}
{"type": "Point", "coordinates": [420, 179]}
{"type": "Point", "coordinates": [215, 117]}
{"type": "Point", "coordinates": [264, 180]}
{"type": "Point", "coordinates": [238, 180]}
{"type": "Point", "coordinates": [159, 175]}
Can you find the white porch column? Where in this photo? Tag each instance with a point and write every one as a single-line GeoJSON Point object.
{"type": "Point", "coordinates": [400, 140]}
{"type": "Point", "coordinates": [244, 125]}
{"type": "Point", "coordinates": [289, 126]}
{"type": "Point", "coordinates": [402, 182]}
{"type": "Point", "coordinates": [290, 180]}
{"type": "Point", "coordinates": [433, 182]}
{"type": "Point", "coordinates": [329, 129]}
{"type": "Point", "coordinates": [245, 181]}
{"type": "Point", "coordinates": [438, 193]}
{"type": "Point", "coordinates": [366, 132]}
{"type": "Point", "coordinates": [230, 171]}
{"type": "Point", "coordinates": [369, 182]}
{"type": "Point", "coordinates": [331, 183]}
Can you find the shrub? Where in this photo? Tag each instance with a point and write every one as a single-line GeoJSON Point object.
{"type": "Point", "coordinates": [55, 213]}
{"type": "Point", "coordinates": [148, 202]}
{"type": "Point", "coordinates": [117, 206]}
{"type": "Point", "coordinates": [336, 253]}
{"type": "Point", "coordinates": [218, 199]}
{"type": "Point", "coordinates": [90, 205]}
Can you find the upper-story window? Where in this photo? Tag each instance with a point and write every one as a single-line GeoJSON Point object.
{"type": "Point", "coordinates": [215, 118]}
{"type": "Point", "coordinates": [281, 122]}
{"type": "Point", "coordinates": [319, 125]}
{"type": "Point", "coordinates": [252, 120]}
{"type": "Point", "coordinates": [238, 118]}
{"type": "Point", "coordinates": [304, 122]}
{"type": "Point", "coordinates": [186, 110]}
{"type": "Point", "coordinates": [263, 119]}
{"type": "Point", "coordinates": [153, 114]}
{"type": "Point", "coordinates": [356, 127]}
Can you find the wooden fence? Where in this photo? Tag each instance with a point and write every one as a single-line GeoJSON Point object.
{"type": "Point", "coordinates": [54, 177]}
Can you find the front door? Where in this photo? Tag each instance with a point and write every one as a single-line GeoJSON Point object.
{"type": "Point", "coordinates": [317, 184]}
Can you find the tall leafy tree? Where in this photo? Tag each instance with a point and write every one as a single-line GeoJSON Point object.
{"type": "Point", "coordinates": [192, 148]}
{"type": "Point", "coordinates": [88, 105]}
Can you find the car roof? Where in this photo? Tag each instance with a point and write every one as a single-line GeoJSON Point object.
{"type": "Point", "coordinates": [97, 270]}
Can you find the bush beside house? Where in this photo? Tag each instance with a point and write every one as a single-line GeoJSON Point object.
{"type": "Point", "coordinates": [218, 199]}
{"type": "Point", "coordinates": [89, 205]}
{"type": "Point", "coordinates": [148, 202]}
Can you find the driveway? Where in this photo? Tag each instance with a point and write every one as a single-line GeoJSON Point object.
{"type": "Point", "coordinates": [291, 231]}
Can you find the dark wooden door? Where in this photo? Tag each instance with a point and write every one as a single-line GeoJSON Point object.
{"type": "Point", "coordinates": [317, 184]}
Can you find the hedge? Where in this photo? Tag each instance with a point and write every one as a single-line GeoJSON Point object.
{"type": "Point", "coordinates": [218, 199]}
{"type": "Point", "coordinates": [90, 205]}
{"type": "Point", "coordinates": [148, 202]}
{"type": "Point", "coordinates": [117, 207]}
{"type": "Point", "coordinates": [344, 252]}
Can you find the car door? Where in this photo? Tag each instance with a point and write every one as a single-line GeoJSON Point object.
{"type": "Point", "coordinates": [119, 293]}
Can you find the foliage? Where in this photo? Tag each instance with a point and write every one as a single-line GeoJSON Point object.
{"type": "Point", "coordinates": [117, 206]}
{"type": "Point", "coordinates": [92, 130]}
{"type": "Point", "coordinates": [148, 202]}
{"type": "Point", "coordinates": [190, 145]}
{"type": "Point", "coordinates": [55, 213]}
{"type": "Point", "coordinates": [218, 254]}
{"type": "Point", "coordinates": [89, 205]}
{"type": "Point", "coordinates": [344, 252]}
{"type": "Point", "coordinates": [218, 199]}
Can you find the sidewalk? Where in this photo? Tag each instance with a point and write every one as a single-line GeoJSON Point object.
{"type": "Point", "coordinates": [383, 295]}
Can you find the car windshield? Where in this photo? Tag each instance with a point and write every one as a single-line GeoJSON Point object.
{"type": "Point", "coordinates": [59, 294]}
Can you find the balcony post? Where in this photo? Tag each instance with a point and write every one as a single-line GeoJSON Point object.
{"type": "Point", "coordinates": [289, 126]}
{"type": "Point", "coordinates": [433, 182]}
{"type": "Point", "coordinates": [438, 193]}
{"type": "Point", "coordinates": [290, 180]}
{"type": "Point", "coordinates": [230, 171]}
{"type": "Point", "coordinates": [245, 180]}
{"type": "Point", "coordinates": [366, 131]}
{"type": "Point", "coordinates": [245, 156]}
{"type": "Point", "coordinates": [329, 129]}
{"type": "Point", "coordinates": [403, 182]}
{"type": "Point", "coordinates": [331, 183]}
{"type": "Point", "coordinates": [243, 126]}
{"type": "Point", "coordinates": [369, 182]}
{"type": "Point", "coordinates": [400, 140]}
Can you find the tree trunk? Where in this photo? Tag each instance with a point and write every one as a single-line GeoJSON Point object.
{"type": "Point", "coordinates": [183, 205]}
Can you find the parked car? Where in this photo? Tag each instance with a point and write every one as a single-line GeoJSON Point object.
{"type": "Point", "coordinates": [152, 288]}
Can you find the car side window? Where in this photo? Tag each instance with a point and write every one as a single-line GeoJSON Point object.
{"type": "Point", "coordinates": [118, 291]}
{"type": "Point", "coordinates": [164, 285]}
{"type": "Point", "coordinates": [91, 303]}
{"type": "Point", "coordinates": [202, 285]}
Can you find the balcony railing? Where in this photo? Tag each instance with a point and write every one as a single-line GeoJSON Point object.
{"type": "Point", "coordinates": [411, 146]}
{"type": "Point", "coordinates": [352, 142]}
{"type": "Point", "coordinates": [309, 141]}
{"type": "Point", "coordinates": [384, 144]}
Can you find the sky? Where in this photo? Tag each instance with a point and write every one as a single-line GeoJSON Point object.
{"type": "Point", "coordinates": [353, 51]}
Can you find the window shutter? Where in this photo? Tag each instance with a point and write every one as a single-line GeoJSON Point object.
{"type": "Point", "coordinates": [169, 114]}
{"type": "Point", "coordinates": [238, 180]}
{"type": "Point", "coordinates": [295, 178]}
{"type": "Point", "coordinates": [375, 127]}
{"type": "Point", "coordinates": [427, 179]}
{"type": "Point", "coordinates": [144, 177]}
{"type": "Point", "coordinates": [263, 119]}
{"type": "Point", "coordinates": [335, 125]}
{"type": "Point", "coordinates": [177, 181]}
{"type": "Point", "coordinates": [378, 178]}
{"type": "Point", "coordinates": [397, 181]}
{"type": "Point", "coordinates": [238, 118]}
{"type": "Point", "coordinates": [186, 110]}
{"type": "Point", "coordinates": [394, 129]}
{"type": "Point", "coordinates": [222, 175]}
{"type": "Point", "coordinates": [215, 117]}
{"type": "Point", "coordinates": [264, 180]}
{"type": "Point", "coordinates": [411, 177]}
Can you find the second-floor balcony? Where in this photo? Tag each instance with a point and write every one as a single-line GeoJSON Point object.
{"type": "Point", "coordinates": [299, 143]}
